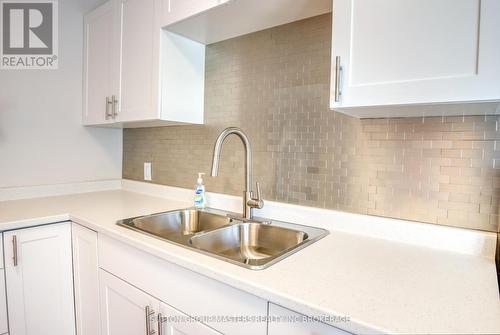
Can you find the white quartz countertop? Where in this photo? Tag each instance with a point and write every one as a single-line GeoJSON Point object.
{"type": "Point", "coordinates": [382, 286]}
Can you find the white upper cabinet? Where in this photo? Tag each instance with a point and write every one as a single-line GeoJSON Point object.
{"type": "Point", "coordinates": [138, 45]}
{"type": "Point", "coordinates": [38, 272]}
{"type": "Point", "coordinates": [99, 81]}
{"type": "Point", "coordinates": [399, 52]}
{"type": "Point", "coordinates": [137, 74]}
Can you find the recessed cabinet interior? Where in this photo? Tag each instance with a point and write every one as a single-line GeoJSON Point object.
{"type": "Point", "coordinates": [137, 74]}
{"type": "Point", "coordinates": [177, 10]}
{"type": "Point", "coordinates": [391, 52]}
{"type": "Point", "coordinates": [210, 21]}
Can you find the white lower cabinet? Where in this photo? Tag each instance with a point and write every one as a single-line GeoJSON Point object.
{"type": "Point", "coordinates": [3, 299]}
{"type": "Point", "coordinates": [3, 304]}
{"type": "Point", "coordinates": [193, 294]}
{"type": "Point", "coordinates": [86, 280]}
{"type": "Point", "coordinates": [126, 310]}
{"type": "Point", "coordinates": [52, 272]}
{"type": "Point", "coordinates": [286, 322]}
{"type": "Point", "coordinates": [38, 272]}
{"type": "Point", "coordinates": [173, 322]}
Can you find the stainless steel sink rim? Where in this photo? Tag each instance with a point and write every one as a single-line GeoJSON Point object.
{"type": "Point", "coordinates": [312, 234]}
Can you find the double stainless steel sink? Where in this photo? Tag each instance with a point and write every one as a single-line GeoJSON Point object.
{"type": "Point", "coordinates": [254, 244]}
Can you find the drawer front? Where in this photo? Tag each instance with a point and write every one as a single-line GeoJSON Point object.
{"type": "Point", "coordinates": [187, 291]}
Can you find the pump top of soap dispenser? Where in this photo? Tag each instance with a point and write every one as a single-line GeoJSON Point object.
{"type": "Point", "coordinates": [199, 181]}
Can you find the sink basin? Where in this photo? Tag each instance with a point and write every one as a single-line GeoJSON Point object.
{"type": "Point", "coordinates": [176, 224]}
{"type": "Point", "coordinates": [249, 243]}
{"type": "Point", "coordinates": [254, 245]}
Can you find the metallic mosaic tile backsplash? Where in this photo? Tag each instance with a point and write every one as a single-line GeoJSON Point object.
{"type": "Point", "coordinates": [275, 85]}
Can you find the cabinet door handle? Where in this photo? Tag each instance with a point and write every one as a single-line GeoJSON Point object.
{"type": "Point", "coordinates": [160, 324]}
{"type": "Point", "coordinates": [108, 103]}
{"type": "Point", "coordinates": [114, 101]}
{"type": "Point", "coordinates": [337, 79]}
{"type": "Point", "coordinates": [149, 313]}
{"type": "Point", "coordinates": [14, 249]}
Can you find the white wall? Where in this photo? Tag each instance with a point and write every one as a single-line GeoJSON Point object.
{"type": "Point", "coordinates": [41, 137]}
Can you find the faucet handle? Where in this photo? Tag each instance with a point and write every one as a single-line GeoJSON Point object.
{"type": "Point", "coordinates": [257, 184]}
{"type": "Point", "coordinates": [256, 202]}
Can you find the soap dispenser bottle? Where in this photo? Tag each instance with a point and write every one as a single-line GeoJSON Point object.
{"type": "Point", "coordinates": [199, 193]}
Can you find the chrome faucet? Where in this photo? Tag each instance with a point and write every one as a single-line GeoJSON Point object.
{"type": "Point", "coordinates": [249, 202]}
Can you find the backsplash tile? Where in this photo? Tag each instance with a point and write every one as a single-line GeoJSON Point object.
{"type": "Point", "coordinates": [275, 85]}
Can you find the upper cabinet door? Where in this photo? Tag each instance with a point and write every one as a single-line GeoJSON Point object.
{"type": "Point", "coordinates": [99, 60]}
{"type": "Point", "coordinates": [138, 41]}
{"type": "Point", "coordinates": [393, 52]}
{"type": "Point", "coordinates": [38, 271]}
{"type": "Point", "coordinates": [177, 10]}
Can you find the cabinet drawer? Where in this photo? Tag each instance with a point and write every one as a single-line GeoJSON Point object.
{"type": "Point", "coordinates": [187, 291]}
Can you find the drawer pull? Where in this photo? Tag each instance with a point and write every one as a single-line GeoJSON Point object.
{"type": "Point", "coordinates": [149, 313]}
{"type": "Point", "coordinates": [14, 249]}
{"type": "Point", "coordinates": [338, 68]}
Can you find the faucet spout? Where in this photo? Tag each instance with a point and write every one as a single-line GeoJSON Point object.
{"type": "Point", "coordinates": [248, 153]}
{"type": "Point", "coordinates": [248, 202]}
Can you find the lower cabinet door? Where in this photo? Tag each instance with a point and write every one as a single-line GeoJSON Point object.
{"type": "Point", "coordinates": [125, 310]}
{"type": "Point", "coordinates": [39, 276]}
{"type": "Point", "coordinates": [86, 274]}
{"type": "Point", "coordinates": [173, 322]}
{"type": "Point", "coordinates": [286, 322]}
{"type": "Point", "coordinates": [3, 301]}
